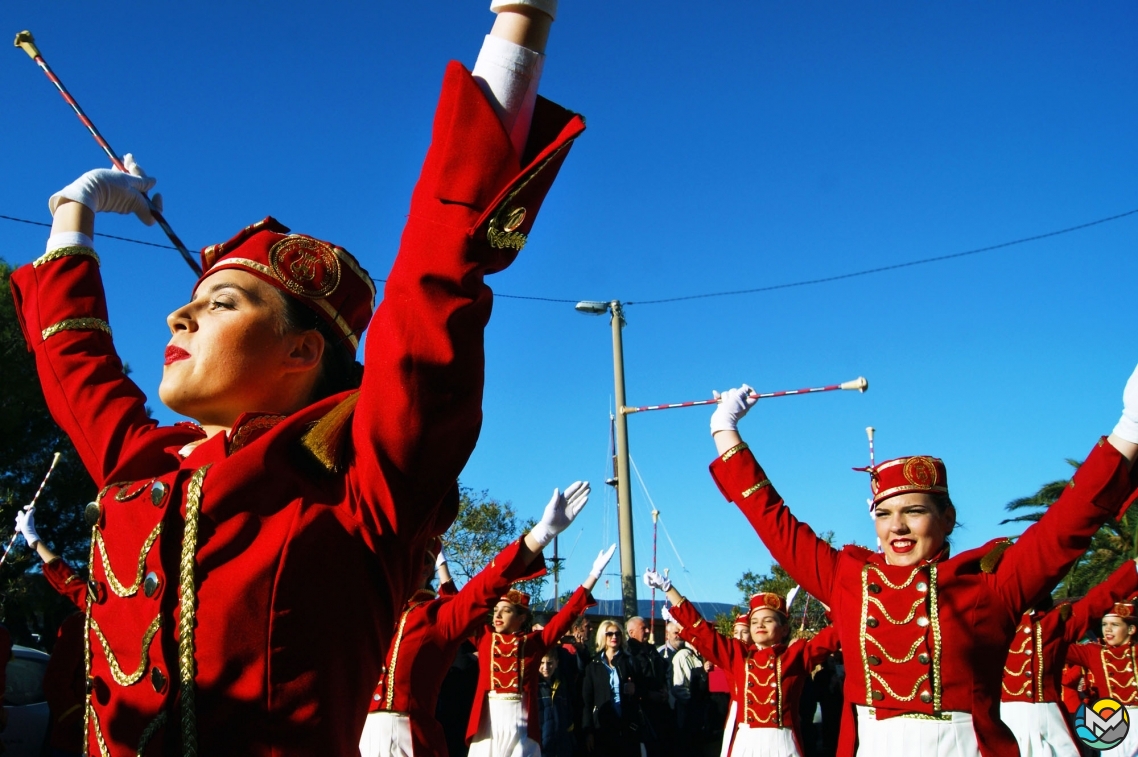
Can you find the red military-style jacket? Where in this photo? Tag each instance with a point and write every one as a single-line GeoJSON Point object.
{"type": "Point", "coordinates": [1034, 668]}
{"type": "Point", "coordinates": [64, 686]}
{"type": "Point", "coordinates": [1111, 671]}
{"type": "Point", "coordinates": [428, 636]}
{"type": "Point", "coordinates": [508, 662]}
{"type": "Point", "coordinates": [245, 593]}
{"type": "Point", "coordinates": [931, 638]}
{"type": "Point", "coordinates": [767, 683]}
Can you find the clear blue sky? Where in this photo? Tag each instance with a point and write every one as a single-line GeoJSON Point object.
{"type": "Point", "coordinates": [729, 146]}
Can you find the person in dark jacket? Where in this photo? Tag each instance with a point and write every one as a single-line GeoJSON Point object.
{"type": "Point", "coordinates": [557, 737]}
{"type": "Point", "coordinates": [611, 717]}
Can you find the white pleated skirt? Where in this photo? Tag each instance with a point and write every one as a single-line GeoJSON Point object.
{"type": "Point", "coordinates": [1040, 729]}
{"type": "Point", "coordinates": [503, 732]}
{"type": "Point", "coordinates": [387, 734]}
{"type": "Point", "coordinates": [764, 742]}
{"type": "Point", "coordinates": [915, 737]}
{"type": "Point", "coordinates": [1129, 745]}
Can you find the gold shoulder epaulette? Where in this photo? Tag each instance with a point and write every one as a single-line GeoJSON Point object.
{"type": "Point", "coordinates": [325, 440]}
{"type": "Point", "coordinates": [1065, 610]}
{"type": "Point", "coordinates": [989, 561]}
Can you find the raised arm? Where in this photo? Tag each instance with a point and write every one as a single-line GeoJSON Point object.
{"type": "Point", "coordinates": [1120, 586]}
{"type": "Point", "coordinates": [710, 644]}
{"type": "Point", "coordinates": [794, 545]}
{"type": "Point", "coordinates": [1042, 556]}
{"type": "Point", "coordinates": [58, 573]}
{"type": "Point", "coordinates": [62, 310]}
{"type": "Point", "coordinates": [824, 644]}
{"type": "Point", "coordinates": [460, 617]}
{"type": "Point", "coordinates": [419, 410]}
{"type": "Point", "coordinates": [579, 601]}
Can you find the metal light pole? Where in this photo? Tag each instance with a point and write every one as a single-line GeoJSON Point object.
{"type": "Point", "coordinates": [623, 480]}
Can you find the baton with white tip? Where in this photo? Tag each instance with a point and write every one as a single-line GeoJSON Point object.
{"type": "Point", "coordinates": [27, 43]}
{"type": "Point", "coordinates": [859, 384]}
{"type": "Point", "coordinates": [31, 506]}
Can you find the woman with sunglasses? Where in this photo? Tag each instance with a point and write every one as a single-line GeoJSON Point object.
{"type": "Point", "coordinates": [505, 720]}
{"type": "Point", "coordinates": [611, 717]}
{"type": "Point", "coordinates": [248, 566]}
{"type": "Point", "coordinates": [925, 633]}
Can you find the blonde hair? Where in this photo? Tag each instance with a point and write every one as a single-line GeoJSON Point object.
{"type": "Point", "coordinates": [603, 628]}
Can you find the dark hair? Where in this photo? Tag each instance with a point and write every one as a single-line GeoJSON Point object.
{"type": "Point", "coordinates": [339, 370]}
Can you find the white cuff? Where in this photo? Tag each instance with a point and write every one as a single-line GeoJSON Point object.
{"type": "Point", "coordinates": [508, 75]}
{"type": "Point", "coordinates": [68, 239]}
{"type": "Point", "coordinates": [548, 7]}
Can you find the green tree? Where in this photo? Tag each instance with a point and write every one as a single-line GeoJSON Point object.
{"type": "Point", "coordinates": [483, 528]}
{"type": "Point", "coordinates": [1115, 542]}
{"type": "Point", "coordinates": [28, 439]}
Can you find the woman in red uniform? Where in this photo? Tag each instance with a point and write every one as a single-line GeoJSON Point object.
{"type": "Point", "coordinates": [1112, 667]}
{"type": "Point", "coordinates": [1032, 684]}
{"type": "Point", "coordinates": [925, 634]}
{"type": "Point", "coordinates": [504, 721]}
{"type": "Point", "coordinates": [249, 567]}
{"type": "Point", "coordinates": [767, 674]}
{"type": "Point", "coordinates": [401, 721]}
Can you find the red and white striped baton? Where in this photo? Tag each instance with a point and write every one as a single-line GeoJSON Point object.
{"type": "Point", "coordinates": [31, 506]}
{"type": "Point", "coordinates": [25, 40]}
{"type": "Point", "coordinates": [858, 384]}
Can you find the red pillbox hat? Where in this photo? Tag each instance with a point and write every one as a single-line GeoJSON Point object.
{"type": "Point", "coordinates": [743, 620]}
{"type": "Point", "coordinates": [766, 600]}
{"type": "Point", "coordinates": [323, 276]}
{"type": "Point", "coordinates": [906, 475]}
{"type": "Point", "coordinates": [1122, 610]}
{"type": "Point", "coordinates": [515, 597]}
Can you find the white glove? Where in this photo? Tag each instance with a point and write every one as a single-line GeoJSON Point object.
{"type": "Point", "coordinates": [26, 525]}
{"type": "Point", "coordinates": [548, 7]}
{"type": "Point", "coordinates": [601, 561]}
{"type": "Point", "coordinates": [733, 405]}
{"type": "Point", "coordinates": [654, 580]}
{"type": "Point", "coordinates": [666, 614]}
{"type": "Point", "coordinates": [1127, 427]}
{"type": "Point", "coordinates": [441, 560]}
{"type": "Point", "coordinates": [560, 511]}
{"type": "Point", "coordinates": [112, 191]}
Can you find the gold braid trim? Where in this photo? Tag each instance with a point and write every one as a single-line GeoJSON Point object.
{"type": "Point", "coordinates": [112, 580]}
{"type": "Point", "coordinates": [1019, 693]}
{"type": "Point", "coordinates": [891, 658]}
{"type": "Point", "coordinates": [103, 751]}
{"type": "Point", "coordinates": [77, 324]}
{"type": "Point", "coordinates": [1038, 680]}
{"type": "Point", "coordinates": [188, 607]}
{"type": "Point", "coordinates": [148, 734]}
{"type": "Point", "coordinates": [934, 626]}
{"type": "Point", "coordinates": [496, 233]}
{"type": "Point", "coordinates": [912, 694]}
{"type": "Point", "coordinates": [912, 611]}
{"type": "Point", "coordinates": [734, 451]}
{"type": "Point", "coordinates": [121, 678]}
{"type": "Point", "coordinates": [65, 252]}
{"type": "Point", "coordinates": [390, 692]}
{"type": "Point", "coordinates": [761, 485]}
{"type": "Point", "coordinates": [1019, 672]}
{"type": "Point", "coordinates": [88, 712]}
{"type": "Point", "coordinates": [885, 579]}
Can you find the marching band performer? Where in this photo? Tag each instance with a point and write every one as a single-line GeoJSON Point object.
{"type": "Point", "coordinates": [401, 721]}
{"type": "Point", "coordinates": [1112, 669]}
{"type": "Point", "coordinates": [925, 634]}
{"type": "Point", "coordinates": [227, 550]}
{"type": "Point", "coordinates": [767, 674]}
{"type": "Point", "coordinates": [1033, 673]}
{"type": "Point", "coordinates": [504, 721]}
{"type": "Point", "coordinates": [741, 630]}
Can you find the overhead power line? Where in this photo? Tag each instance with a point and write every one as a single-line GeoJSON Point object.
{"type": "Point", "coordinates": [735, 292]}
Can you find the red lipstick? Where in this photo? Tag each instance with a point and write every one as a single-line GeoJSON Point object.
{"type": "Point", "coordinates": [174, 354]}
{"type": "Point", "coordinates": [902, 549]}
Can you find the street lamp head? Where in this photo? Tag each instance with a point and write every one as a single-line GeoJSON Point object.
{"type": "Point", "coordinates": [592, 307]}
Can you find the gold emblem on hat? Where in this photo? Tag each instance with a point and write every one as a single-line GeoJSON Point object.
{"type": "Point", "coordinates": [307, 266]}
{"type": "Point", "coordinates": [920, 471]}
{"type": "Point", "coordinates": [771, 601]}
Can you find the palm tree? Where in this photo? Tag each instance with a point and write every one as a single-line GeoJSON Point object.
{"type": "Point", "coordinates": [1116, 541]}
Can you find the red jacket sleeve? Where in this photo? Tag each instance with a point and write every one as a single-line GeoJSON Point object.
{"type": "Point", "coordinates": [1042, 556]}
{"type": "Point", "coordinates": [793, 544]}
{"type": "Point", "coordinates": [63, 313]}
{"type": "Point", "coordinates": [824, 643]}
{"type": "Point", "coordinates": [560, 623]}
{"type": "Point", "coordinates": [459, 617]}
{"type": "Point", "coordinates": [710, 644]}
{"type": "Point", "coordinates": [420, 405]}
{"type": "Point", "coordinates": [65, 582]}
{"type": "Point", "coordinates": [1120, 586]}
{"type": "Point", "coordinates": [1084, 655]}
